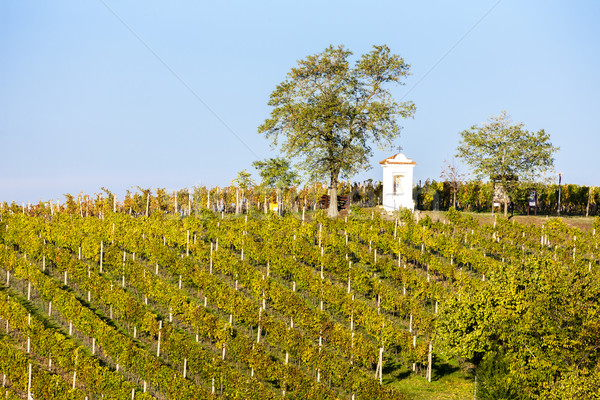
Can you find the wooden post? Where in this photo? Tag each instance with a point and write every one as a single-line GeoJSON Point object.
{"type": "Point", "coordinates": [184, 367]}
{"type": "Point", "coordinates": [28, 383]}
{"type": "Point", "coordinates": [101, 255]}
{"type": "Point", "coordinates": [176, 205]}
{"type": "Point", "coordinates": [429, 362]}
{"type": "Point", "coordinates": [349, 268]}
{"type": "Point", "coordinates": [258, 329]}
{"type": "Point", "coordinates": [159, 332]}
{"type": "Point", "coordinates": [380, 365]}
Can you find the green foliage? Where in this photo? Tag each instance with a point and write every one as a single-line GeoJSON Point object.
{"type": "Point", "coordinates": [492, 382]}
{"type": "Point", "coordinates": [579, 384]}
{"type": "Point", "coordinates": [70, 203]}
{"type": "Point", "coordinates": [505, 152]}
{"type": "Point", "coordinates": [326, 113]}
{"type": "Point", "coordinates": [519, 302]}
{"type": "Point", "coordinates": [535, 322]}
{"type": "Point", "coordinates": [243, 179]}
{"type": "Point", "coordinates": [276, 173]}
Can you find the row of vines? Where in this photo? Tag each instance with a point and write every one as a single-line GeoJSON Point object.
{"type": "Point", "coordinates": [119, 306]}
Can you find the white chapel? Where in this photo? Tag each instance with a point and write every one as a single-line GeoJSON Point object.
{"type": "Point", "coordinates": [398, 182]}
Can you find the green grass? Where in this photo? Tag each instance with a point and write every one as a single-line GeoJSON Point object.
{"type": "Point", "coordinates": [448, 382]}
{"type": "Point", "coordinates": [579, 222]}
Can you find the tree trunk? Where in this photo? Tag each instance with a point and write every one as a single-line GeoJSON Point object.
{"type": "Point", "coordinates": [587, 208]}
{"type": "Point", "coordinates": [278, 202]}
{"type": "Point", "coordinates": [454, 198]}
{"type": "Point", "coordinates": [332, 211]}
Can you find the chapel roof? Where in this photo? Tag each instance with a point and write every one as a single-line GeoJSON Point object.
{"type": "Point", "coordinates": [397, 159]}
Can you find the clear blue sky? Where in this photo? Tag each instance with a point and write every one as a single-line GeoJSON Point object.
{"type": "Point", "coordinates": [84, 104]}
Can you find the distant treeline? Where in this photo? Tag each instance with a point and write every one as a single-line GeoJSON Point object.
{"type": "Point", "coordinates": [229, 199]}
{"type": "Point", "coordinates": [431, 195]}
{"type": "Point", "coordinates": [477, 196]}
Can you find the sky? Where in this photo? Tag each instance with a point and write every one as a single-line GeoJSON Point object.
{"type": "Point", "coordinates": [121, 94]}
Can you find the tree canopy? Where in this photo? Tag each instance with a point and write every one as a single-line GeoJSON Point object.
{"type": "Point", "coordinates": [505, 152]}
{"type": "Point", "coordinates": [243, 180]}
{"type": "Point", "coordinates": [327, 113]}
{"type": "Point", "coordinates": [276, 173]}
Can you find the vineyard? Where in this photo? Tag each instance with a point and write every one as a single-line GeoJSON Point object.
{"type": "Point", "coordinates": [118, 306]}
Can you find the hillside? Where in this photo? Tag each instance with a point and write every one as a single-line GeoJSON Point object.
{"type": "Point", "coordinates": [266, 307]}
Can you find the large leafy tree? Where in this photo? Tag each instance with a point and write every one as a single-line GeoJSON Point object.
{"type": "Point", "coordinates": [327, 113]}
{"type": "Point", "coordinates": [506, 152]}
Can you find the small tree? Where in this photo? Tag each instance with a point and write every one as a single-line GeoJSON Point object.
{"type": "Point", "coordinates": [451, 173]}
{"type": "Point", "coordinates": [505, 152]}
{"type": "Point", "coordinates": [276, 173]}
{"type": "Point", "coordinates": [244, 182]}
{"type": "Point", "coordinates": [326, 113]}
